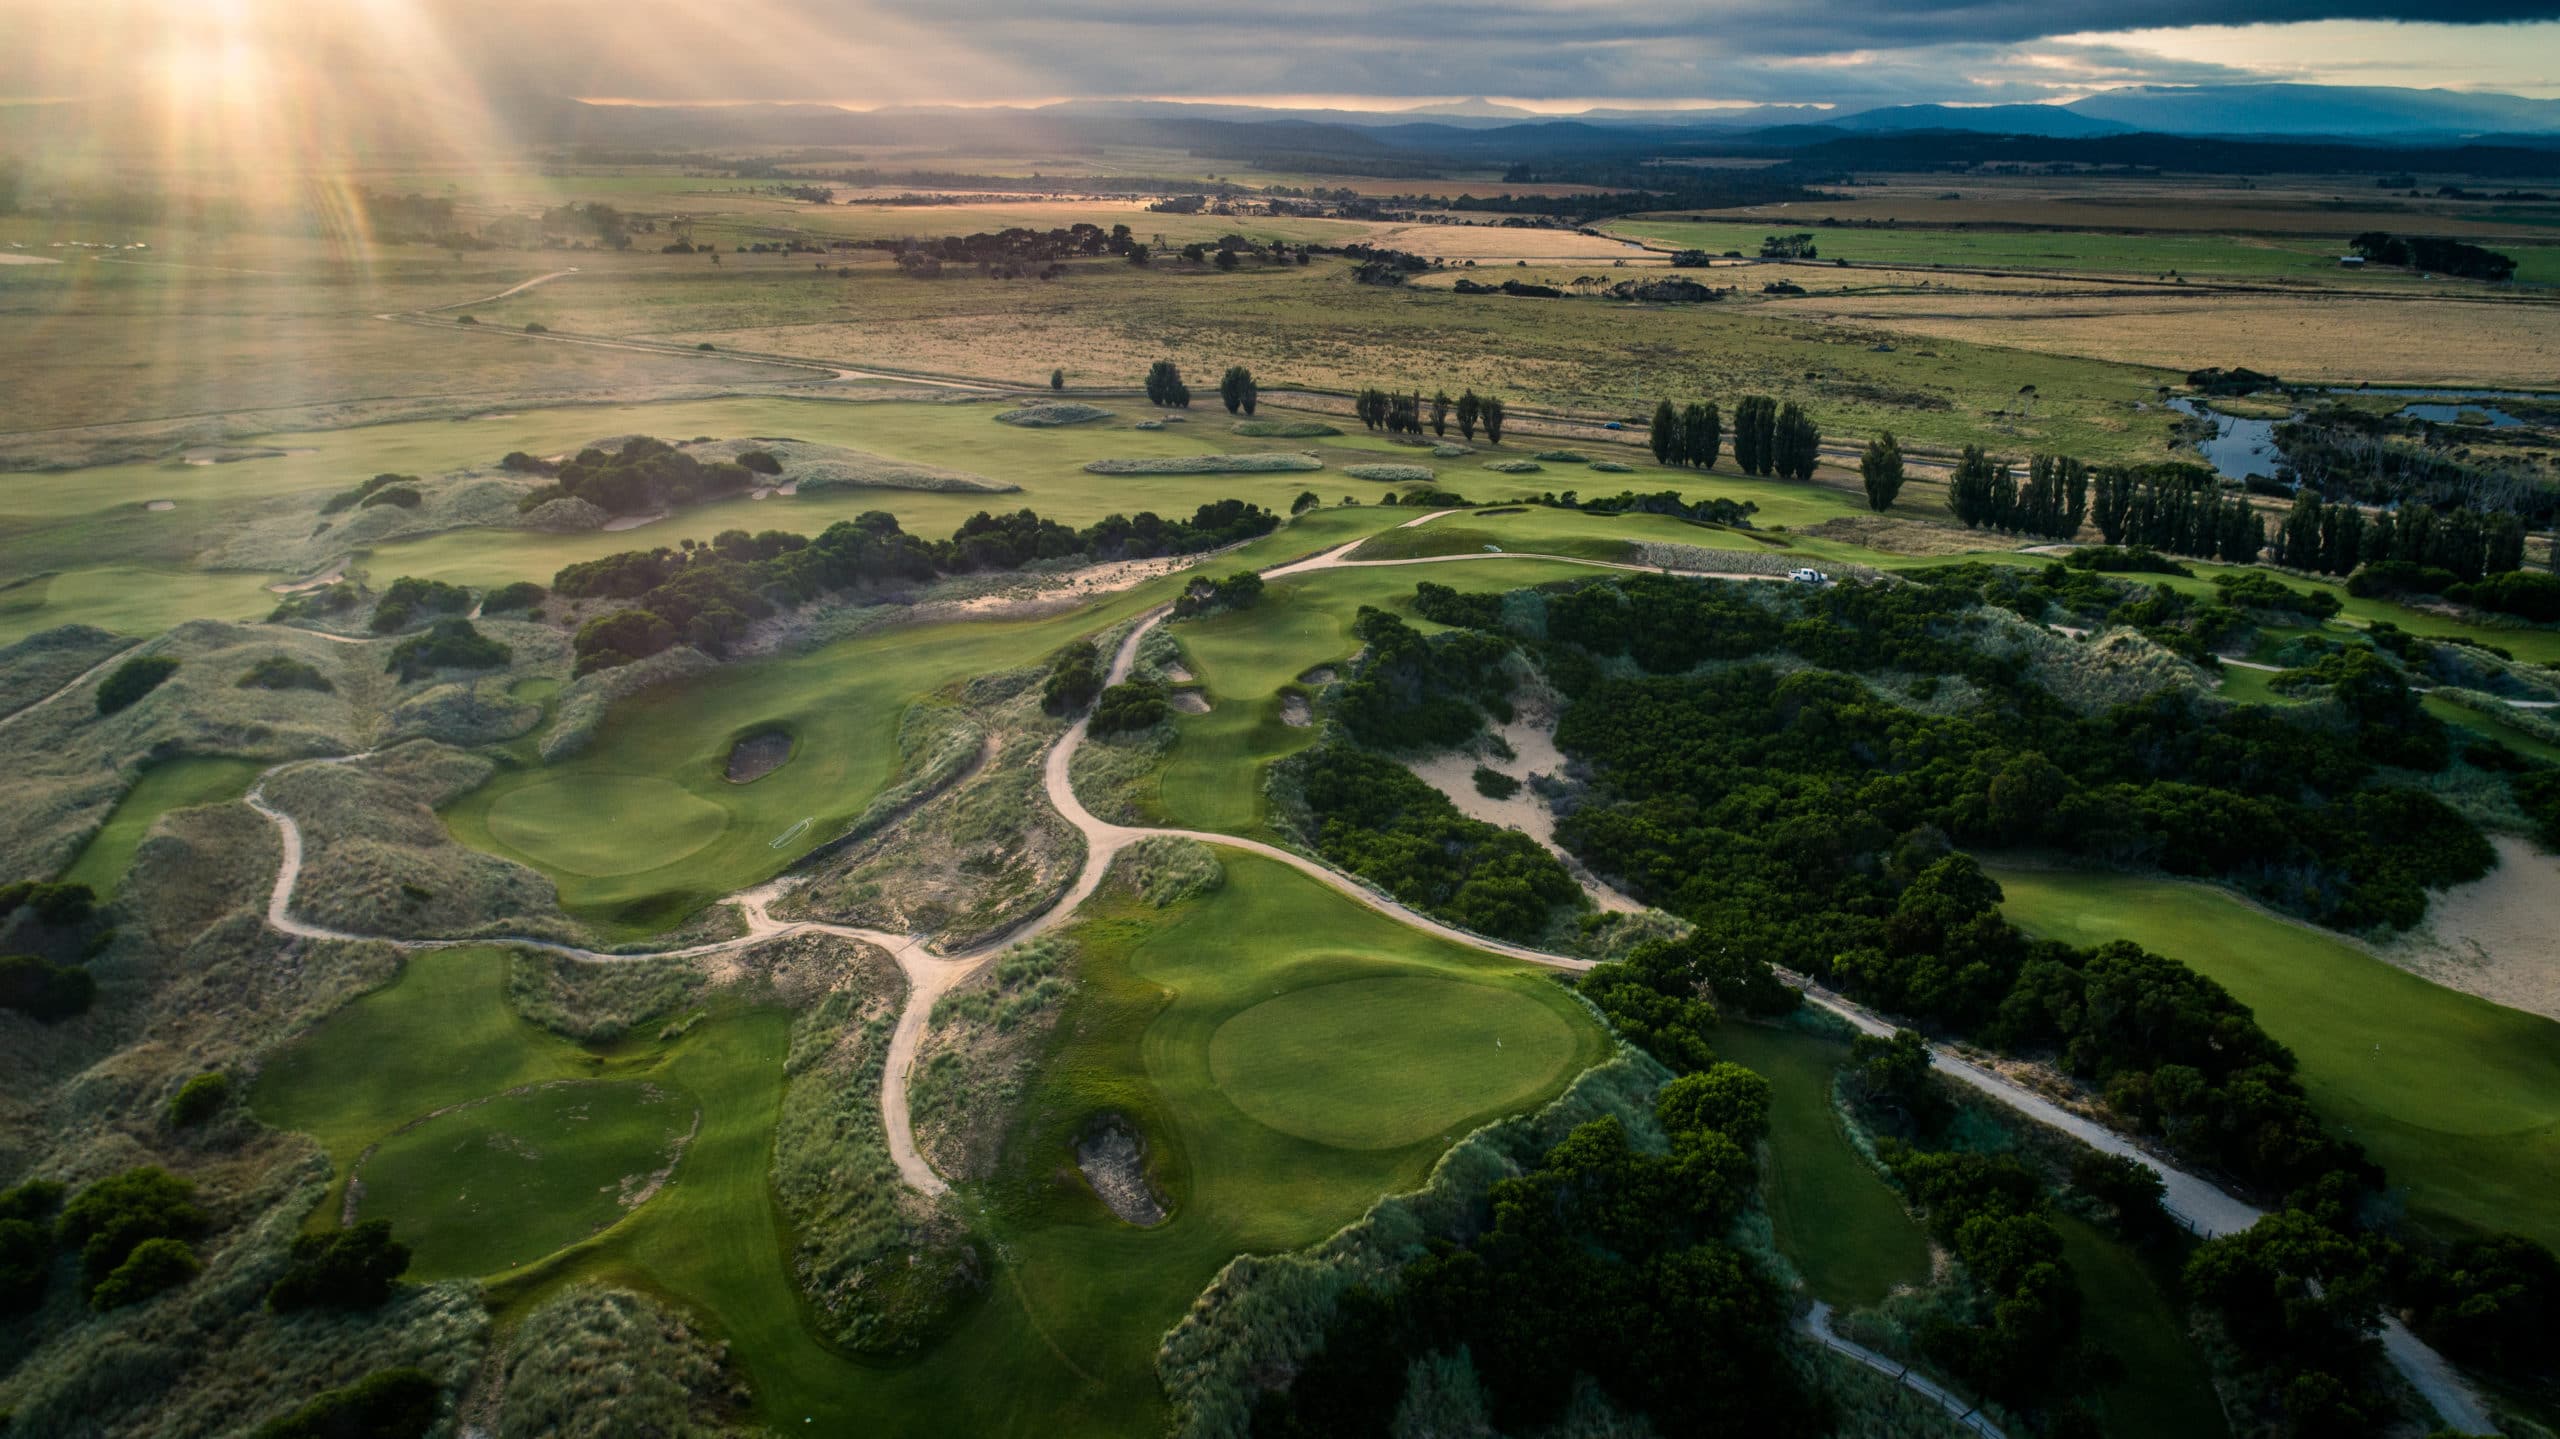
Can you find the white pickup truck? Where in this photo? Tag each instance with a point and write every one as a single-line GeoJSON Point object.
{"type": "Point", "coordinates": [1809, 577]}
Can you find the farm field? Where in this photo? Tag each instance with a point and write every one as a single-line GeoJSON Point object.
{"type": "Point", "coordinates": [1837, 1220]}
{"type": "Point", "coordinates": [2458, 1098]}
{"type": "Point", "coordinates": [2157, 253]}
{"type": "Point", "coordinates": [2260, 205]}
{"type": "Point", "coordinates": [171, 784]}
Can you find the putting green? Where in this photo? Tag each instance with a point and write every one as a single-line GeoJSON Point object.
{"type": "Point", "coordinates": [500, 1182]}
{"type": "Point", "coordinates": [1381, 1063]}
{"type": "Point", "coordinates": [599, 826]}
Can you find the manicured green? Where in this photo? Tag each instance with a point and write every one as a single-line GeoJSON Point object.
{"type": "Point", "coordinates": [129, 600]}
{"type": "Point", "coordinates": [1843, 1227]}
{"type": "Point", "coordinates": [501, 1182]}
{"type": "Point", "coordinates": [604, 826]}
{"type": "Point", "coordinates": [171, 784]}
{"type": "Point", "coordinates": [2167, 1389]}
{"type": "Point", "coordinates": [1382, 1063]}
{"type": "Point", "coordinates": [2458, 1098]}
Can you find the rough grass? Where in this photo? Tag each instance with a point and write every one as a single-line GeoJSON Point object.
{"type": "Point", "coordinates": [594, 1003]}
{"type": "Point", "coordinates": [1284, 429]}
{"type": "Point", "coordinates": [1246, 464]}
{"type": "Point", "coordinates": [816, 468]}
{"type": "Point", "coordinates": [44, 662]}
{"type": "Point", "coordinates": [595, 1363]}
{"type": "Point", "coordinates": [1052, 415]}
{"type": "Point", "coordinates": [1392, 474]}
{"type": "Point", "coordinates": [982, 1055]}
{"type": "Point", "coordinates": [175, 784]}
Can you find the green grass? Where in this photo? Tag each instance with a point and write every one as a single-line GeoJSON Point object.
{"type": "Point", "coordinates": [502, 1182]}
{"type": "Point", "coordinates": [129, 600]}
{"type": "Point", "coordinates": [2458, 1098]}
{"type": "Point", "coordinates": [1064, 1341]}
{"type": "Point", "coordinates": [171, 784]}
{"type": "Point", "coordinates": [625, 827]}
{"type": "Point", "coordinates": [2167, 1389]}
{"type": "Point", "coordinates": [1842, 1226]}
{"type": "Point", "coordinates": [1448, 1047]}
{"type": "Point", "coordinates": [2492, 727]}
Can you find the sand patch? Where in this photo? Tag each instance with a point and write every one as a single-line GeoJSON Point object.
{"type": "Point", "coordinates": [300, 587]}
{"type": "Point", "coordinates": [633, 522]}
{"type": "Point", "coordinates": [2493, 936]}
{"type": "Point", "coordinates": [1177, 673]}
{"type": "Point", "coordinates": [28, 260]}
{"type": "Point", "coordinates": [161, 506]}
{"type": "Point", "coordinates": [758, 755]}
{"type": "Point", "coordinates": [1294, 711]}
{"type": "Point", "coordinates": [1532, 738]}
{"type": "Point", "coordinates": [1321, 675]}
{"type": "Point", "coordinates": [1191, 702]}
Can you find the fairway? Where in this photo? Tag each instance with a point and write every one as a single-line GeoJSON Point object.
{"type": "Point", "coordinates": [2166, 1391]}
{"type": "Point", "coordinates": [500, 1182]}
{"type": "Point", "coordinates": [2457, 1097]}
{"type": "Point", "coordinates": [171, 784]}
{"type": "Point", "coordinates": [599, 826]}
{"type": "Point", "coordinates": [1843, 1227]}
{"type": "Point", "coordinates": [1381, 1063]}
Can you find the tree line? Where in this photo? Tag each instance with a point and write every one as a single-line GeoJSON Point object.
{"type": "Point", "coordinates": [1984, 493]}
{"type": "Point", "coordinates": [1409, 414]}
{"type": "Point", "coordinates": [1768, 438]}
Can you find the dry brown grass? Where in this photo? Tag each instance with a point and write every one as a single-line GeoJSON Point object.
{"type": "Point", "coordinates": [2309, 205]}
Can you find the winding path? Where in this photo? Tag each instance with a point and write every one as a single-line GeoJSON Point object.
{"type": "Point", "coordinates": [2204, 1206]}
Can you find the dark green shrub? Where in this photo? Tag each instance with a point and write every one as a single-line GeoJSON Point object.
{"type": "Point", "coordinates": [1130, 705]}
{"type": "Point", "coordinates": [522, 595]}
{"type": "Point", "coordinates": [43, 990]}
{"type": "Point", "coordinates": [343, 1269]}
{"type": "Point", "coordinates": [199, 1099]}
{"type": "Point", "coordinates": [348, 499]}
{"type": "Point", "coordinates": [761, 461]}
{"type": "Point", "coordinates": [284, 672]}
{"type": "Point", "coordinates": [400, 495]}
{"type": "Point", "coordinates": [26, 1265]}
{"type": "Point", "coordinates": [2527, 594]}
{"type": "Point", "coordinates": [54, 904]}
{"type": "Point", "coordinates": [155, 1266]}
{"type": "Point", "coordinates": [110, 1218]}
{"type": "Point", "coordinates": [451, 645]}
{"type": "Point", "coordinates": [409, 599]}
{"type": "Point", "coordinates": [386, 1404]}
{"type": "Point", "coordinates": [1494, 784]}
{"type": "Point", "coordinates": [1075, 677]}
{"type": "Point", "coordinates": [133, 679]}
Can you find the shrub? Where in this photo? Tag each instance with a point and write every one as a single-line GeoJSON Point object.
{"type": "Point", "coordinates": [110, 1218]}
{"type": "Point", "coordinates": [342, 1269]}
{"type": "Point", "coordinates": [154, 1266]}
{"type": "Point", "coordinates": [1392, 474]}
{"type": "Point", "coordinates": [54, 904]}
{"type": "Point", "coordinates": [26, 1264]}
{"type": "Point", "coordinates": [199, 1099]}
{"type": "Point", "coordinates": [760, 461]}
{"type": "Point", "coordinates": [522, 595]}
{"type": "Point", "coordinates": [2525, 594]}
{"type": "Point", "coordinates": [409, 598]}
{"type": "Point", "coordinates": [348, 499]}
{"type": "Point", "coordinates": [133, 679]}
{"type": "Point", "coordinates": [1612, 467]}
{"type": "Point", "coordinates": [1051, 415]}
{"type": "Point", "coordinates": [42, 990]}
{"type": "Point", "coordinates": [284, 672]}
{"type": "Point", "coordinates": [451, 645]}
{"type": "Point", "coordinates": [1514, 467]}
{"type": "Point", "coordinates": [1284, 429]}
{"type": "Point", "coordinates": [1129, 705]}
{"type": "Point", "coordinates": [2123, 559]}
{"type": "Point", "coordinates": [1250, 464]}
{"type": "Point", "coordinates": [2387, 578]}
{"type": "Point", "coordinates": [519, 463]}
{"type": "Point", "coordinates": [2257, 591]}
{"type": "Point", "coordinates": [386, 1404]}
{"type": "Point", "coordinates": [400, 495]}
{"type": "Point", "coordinates": [1494, 784]}
{"type": "Point", "coordinates": [1075, 677]}
{"type": "Point", "coordinates": [1562, 457]}
{"type": "Point", "coordinates": [536, 327]}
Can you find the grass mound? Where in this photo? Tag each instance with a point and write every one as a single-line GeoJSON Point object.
{"type": "Point", "coordinates": [818, 469]}
{"type": "Point", "coordinates": [594, 1362]}
{"type": "Point", "coordinates": [1392, 474]}
{"type": "Point", "coordinates": [1381, 1063]}
{"type": "Point", "coordinates": [1562, 457]}
{"type": "Point", "coordinates": [500, 1182]}
{"type": "Point", "coordinates": [1269, 462]}
{"type": "Point", "coordinates": [1513, 467]}
{"type": "Point", "coordinates": [1285, 429]}
{"type": "Point", "coordinates": [44, 662]}
{"type": "Point", "coordinates": [1450, 450]}
{"type": "Point", "coordinates": [1052, 414]}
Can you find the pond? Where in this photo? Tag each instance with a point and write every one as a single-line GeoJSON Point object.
{"type": "Point", "coordinates": [2242, 447]}
{"type": "Point", "coordinates": [2239, 447]}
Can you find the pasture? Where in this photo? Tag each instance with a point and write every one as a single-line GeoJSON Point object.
{"type": "Point", "coordinates": [2458, 1098]}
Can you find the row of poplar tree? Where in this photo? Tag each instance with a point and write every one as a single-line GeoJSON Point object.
{"type": "Point", "coordinates": [1403, 414]}
{"type": "Point", "coordinates": [1768, 438]}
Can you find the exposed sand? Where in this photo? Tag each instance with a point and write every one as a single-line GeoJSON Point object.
{"type": "Point", "coordinates": [633, 522]}
{"type": "Point", "coordinates": [1532, 739]}
{"type": "Point", "coordinates": [2498, 937]}
{"type": "Point", "coordinates": [1294, 712]}
{"type": "Point", "coordinates": [322, 582]}
{"type": "Point", "coordinates": [160, 506]}
{"type": "Point", "coordinates": [758, 755]}
{"type": "Point", "coordinates": [8, 259]}
{"type": "Point", "coordinates": [1191, 702]}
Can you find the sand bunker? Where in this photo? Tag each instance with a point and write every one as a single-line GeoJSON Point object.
{"type": "Point", "coordinates": [1320, 676]}
{"type": "Point", "coordinates": [158, 506]}
{"type": "Point", "coordinates": [1115, 1164]}
{"type": "Point", "coordinates": [1191, 702]}
{"type": "Point", "coordinates": [2492, 937]}
{"type": "Point", "coordinates": [758, 755]}
{"type": "Point", "coordinates": [1295, 713]}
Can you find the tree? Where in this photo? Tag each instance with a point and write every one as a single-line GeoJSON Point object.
{"type": "Point", "coordinates": [1797, 443]}
{"type": "Point", "coordinates": [1440, 413]}
{"type": "Point", "coordinates": [1058, 378]}
{"type": "Point", "coordinates": [1165, 386]}
{"type": "Point", "coordinates": [1755, 424]}
{"type": "Point", "coordinates": [1667, 439]}
{"type": "Point", "coordinates": [1701, 435]}
{"type": "Point", "coordinates": [1490, 411]}
{"type": "Point", "coordinates": [1724, 1097]}
{"type": "Point", "coordinates": [1880, 469]}
{"type": "Point", "coordinates": [107, 1220]}
{"type": "Point", "coordinates": [1969, 489]}
{"type": "Point", "coordinates": [1227, 259]}
{"type": "Point", "coordinates": [1470, 409]}
{"type": "Point", "coordinates": [1137, 254]}
{"type": "Point", "coordinates": [1236, 387]}
{"type": "Point", "coordinates": [199, 1099]}
{"type": "Point", "coordinates": [341, 1269]}
{"type": "Point", "coordinates": [1305, 501]}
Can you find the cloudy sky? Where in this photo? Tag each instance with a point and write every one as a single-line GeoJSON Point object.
{"type": "Point", "coordinates": [1550, 54]}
